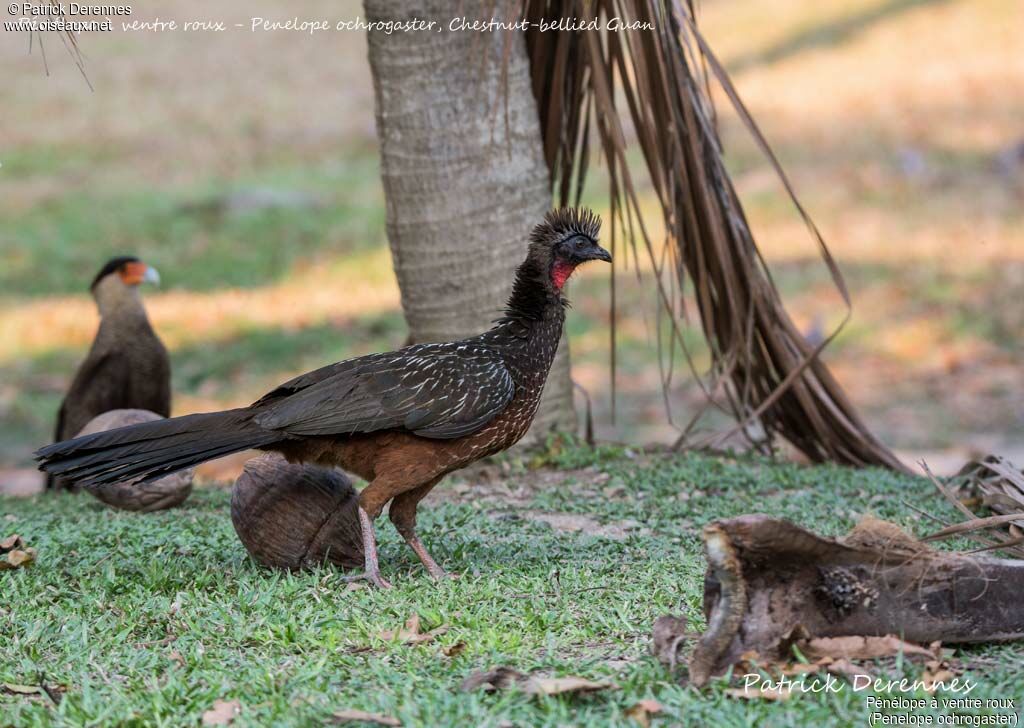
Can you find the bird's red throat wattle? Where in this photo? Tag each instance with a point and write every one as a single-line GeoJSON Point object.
{"type": "Point", "coordinates": [560, 273]}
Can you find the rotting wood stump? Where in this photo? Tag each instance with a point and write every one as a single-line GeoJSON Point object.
{"type": "Point", "coordinates": [293, 517]}
{"type": "Point", "coordinates": [130, 495]}
{"type": "Point", "coordinates": [770, 582]}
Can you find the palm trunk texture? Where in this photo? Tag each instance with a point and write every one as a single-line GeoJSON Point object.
{"type": "Point", "coordinates": [462, 162]}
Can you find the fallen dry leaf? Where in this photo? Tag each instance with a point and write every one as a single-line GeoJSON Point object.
{"type": "Point", "coordinates": [410, 634]}
{"type": "Point", "coordinates": [845, 668]}
{"type": "Point", "coordinates": [759, 693]}
{"type": "Point", "coordinates": [935, 671]}
{"type": "Point", "coordinates": [505, 677]}
{"type": "Point", "coordinates": [21, 689]}
{"type": "Point", "coordinates": [222, 712]}
{"type": "Point", "coordinates": [14, 553]}
{"type": "Point", "coordinates": [752, 662]}
{"type": "Point", "coordinates": [855, 647]}
{"type": "Point", "coordinates": [454, 650]}
{"type": "Point", "coordinates": [496, 679]}
{"type": "Point", "coordinates": [360, 716]}
{"type": "Point", "coordinates": [176, 657]}
{"type": "Point", "coordinates": [17, 557]}
{"type": "Point", "coordinates": [562, 685]}
{"type": "Point", "coordinates": [642, 711]}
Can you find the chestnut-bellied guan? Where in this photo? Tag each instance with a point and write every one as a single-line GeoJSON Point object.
{"type": "Point", "coordinates": [127, 366]}
{"type": "Point", "coordinates": [401, 420]}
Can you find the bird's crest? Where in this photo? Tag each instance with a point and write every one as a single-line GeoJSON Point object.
{"type": "Point", "coordinates": [565, 221]}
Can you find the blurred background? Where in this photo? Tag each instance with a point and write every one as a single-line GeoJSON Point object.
{"type": "Point", "coordinates": [244, 167]}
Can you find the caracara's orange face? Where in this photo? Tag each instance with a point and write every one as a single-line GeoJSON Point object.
{"type": "Point", "coordinates": [129, 272]}
{"type": "Point", "coordinates": [134, 273]}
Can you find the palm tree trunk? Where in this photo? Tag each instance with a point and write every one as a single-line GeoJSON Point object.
{"type": "Point", "coordinates": [464, 174]}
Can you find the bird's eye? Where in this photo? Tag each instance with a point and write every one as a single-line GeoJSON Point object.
{"type": "Point", "coordinates": [580, 243]}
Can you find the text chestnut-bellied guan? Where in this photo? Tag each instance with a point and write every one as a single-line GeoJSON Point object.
{"type": "Point", "coordinates": [127, 366]}
{"type": "Point", "coordinates": [401, 420]}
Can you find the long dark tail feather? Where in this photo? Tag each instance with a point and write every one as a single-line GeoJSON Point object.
{"type": "Point", "coordinates": [152, 450]}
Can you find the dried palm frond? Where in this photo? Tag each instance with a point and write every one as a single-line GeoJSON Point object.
{"type": "Point", "coordinates": [1000, 486]}
{"type": "Point", "coordinates": [586, 85]}
{"type": "Point", "coordinates": [997, 482]}
{"type": "Point", "coordinates": [70, 41]}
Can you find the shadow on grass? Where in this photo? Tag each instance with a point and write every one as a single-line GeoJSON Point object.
{"type": "Point", "coordinates": [261, 352]}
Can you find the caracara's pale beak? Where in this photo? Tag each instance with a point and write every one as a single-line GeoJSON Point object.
{"type": "Point", "coordinates": [151, 275]}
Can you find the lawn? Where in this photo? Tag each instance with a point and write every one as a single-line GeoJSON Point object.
{"type": "Point", "coordinates": [149, 619]}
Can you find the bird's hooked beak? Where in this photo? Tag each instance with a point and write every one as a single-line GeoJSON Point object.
{"type": "Point", "coordinates": [593, 252]}
{"type": "Point", "coordinates": [138, 272]}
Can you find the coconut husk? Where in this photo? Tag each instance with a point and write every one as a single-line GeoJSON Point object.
{"type": "Point", "coordinates": [291, 516]}
{"type": "Point", "coordinates": [131, 495]}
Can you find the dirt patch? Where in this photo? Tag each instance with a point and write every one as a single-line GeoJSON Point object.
{"type": "Point", "coordinates": [496, 482]}
{"type": "Point", "coordinates": [577, 523]}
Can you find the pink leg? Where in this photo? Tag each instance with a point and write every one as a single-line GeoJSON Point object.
{"type": "Point", "coordinates": [372, 568]}
{"type": "Point", "coordinates": [402, 513]}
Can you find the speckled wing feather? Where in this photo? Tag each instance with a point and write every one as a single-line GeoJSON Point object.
{"type": "Point", "coordinates": [439, 391]}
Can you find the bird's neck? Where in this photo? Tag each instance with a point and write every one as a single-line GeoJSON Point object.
{"type": "Point", "coordinates": [120, 303]}
{"type": "Point", "coordinates": [536, 293]}
{"type": "Point", "coordinates": [531, 329]}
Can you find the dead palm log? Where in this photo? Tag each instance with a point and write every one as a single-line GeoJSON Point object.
{"type": "Point", "coordinates": [588, 85]}
{"type": "Point", "coordinates": [770, 582]}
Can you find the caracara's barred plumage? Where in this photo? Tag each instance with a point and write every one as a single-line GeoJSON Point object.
{"type": "Point", "coordinates": [127, 366]}
{"type": "Point", "coordinates": [401, 420]}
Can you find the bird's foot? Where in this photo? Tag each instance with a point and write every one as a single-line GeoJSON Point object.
{"type": "Point", "coordinates": [432, 567]}
{"type": "Point", "coordinates": [374, 578]}
{"type": "Point", "coordinates": [371, 573]}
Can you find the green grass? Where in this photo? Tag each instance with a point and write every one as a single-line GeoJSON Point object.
{"type": "Point", "coordinates": [245, 231]}
{"type": "Point", "coordinates": [294, 648]}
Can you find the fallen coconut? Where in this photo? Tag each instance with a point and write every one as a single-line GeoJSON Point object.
{"type": "Point", "coordinates": [292, 516]}
{"type": "Point", "coordinates": [130, 495]}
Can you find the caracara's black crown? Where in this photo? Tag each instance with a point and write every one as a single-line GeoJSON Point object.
{"type": "Point", "coordinates": [110, 266]}
{"type": "Point", "coordinates": [564, 222]}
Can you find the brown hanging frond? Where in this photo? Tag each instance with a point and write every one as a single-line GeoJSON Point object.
{"type": "Point", "coordinates": [765, 369]}
{"type": "Point", "coordinates": [68, 38]}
